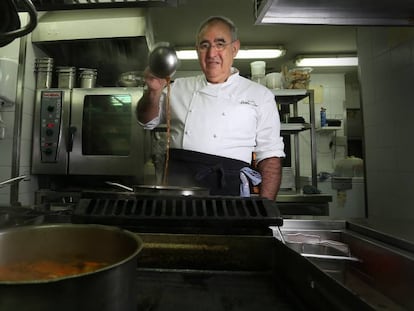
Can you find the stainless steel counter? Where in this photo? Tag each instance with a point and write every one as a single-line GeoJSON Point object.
{"type": "Point", "coordinates": [303, 198]}
{"type": "Point", "coordinates": [211, 272]}
{"type": "Point", "coordinates": [303, 204]}
{"type": "Point", "coordinates": [401, 230]}
{"type": "Point", "coordinates": [379, 267]}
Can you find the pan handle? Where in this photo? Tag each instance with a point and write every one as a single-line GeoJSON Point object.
{"type": "Point", "coordinates": [12, 180]}
{"type": "Point", "coordinates": [119, 186]}
{"type": "Point", "coordinates": [334, 257]}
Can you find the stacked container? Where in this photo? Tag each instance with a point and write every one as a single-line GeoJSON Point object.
{"type": "Point", "coordinates": [66, 77]}
{"type": "Point", "coordinates": [44, 70]}
{"type": "Point", "coordinates": [87, 77]}
{"type": "Point", "coordinates": [258, 71]}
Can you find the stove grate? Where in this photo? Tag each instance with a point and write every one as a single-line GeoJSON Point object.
{"type": "Point", "coordinates": [180, 210]}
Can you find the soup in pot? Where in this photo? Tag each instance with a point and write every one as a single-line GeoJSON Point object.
{"type": "Point", "coordinates": [43, 270]}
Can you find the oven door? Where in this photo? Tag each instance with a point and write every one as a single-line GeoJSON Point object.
{"type": "Point", "coordinates": [105, 136]}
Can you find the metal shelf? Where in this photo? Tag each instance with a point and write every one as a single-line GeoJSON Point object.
{"type": "Point", "coordinates": [291, 97]}
{"type": "Point", "coordinates": [329, 128]}
{"type": "Point", "coordinates": [294, 128]}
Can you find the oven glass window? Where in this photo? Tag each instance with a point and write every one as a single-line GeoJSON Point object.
{"type": "Point", "coordinates": [106, 126]}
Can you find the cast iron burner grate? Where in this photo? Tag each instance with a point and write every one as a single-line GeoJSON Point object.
{"type": "Point", "coordinates": [180, 213]}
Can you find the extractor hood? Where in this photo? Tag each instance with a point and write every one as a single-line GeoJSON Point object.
{"type": "Point", "coordinates": [109, 40]}
{"type": "Point", "coordinates": [91, 24]}
{"type": "Point", "coordinates": [54, 5]}
{"type": "Point", "coordinates": [336, 12]}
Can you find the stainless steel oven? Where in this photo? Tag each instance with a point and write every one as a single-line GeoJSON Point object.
{"type": "Point", "coordinates": [88, 131]}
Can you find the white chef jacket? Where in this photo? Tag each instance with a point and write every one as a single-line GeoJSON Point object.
{"type": "Point", "coordinates": [230, 119]}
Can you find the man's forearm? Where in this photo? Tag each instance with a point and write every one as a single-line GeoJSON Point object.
{"type": "Point", "coordinates": [148, 106]}
{"type": "Point", "coordinates": [271, 171]}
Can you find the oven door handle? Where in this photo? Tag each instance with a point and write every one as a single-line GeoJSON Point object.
{"type": "Point", "coordinates": [71, 137]}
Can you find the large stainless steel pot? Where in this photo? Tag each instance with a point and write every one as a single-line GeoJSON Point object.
{"type": "Point", "coordinates": [111, 288]}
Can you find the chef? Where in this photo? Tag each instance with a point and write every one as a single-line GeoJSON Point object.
{"type": "Point", "coordinates": [218, 120]}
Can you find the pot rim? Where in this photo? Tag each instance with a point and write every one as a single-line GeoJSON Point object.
{"type": "Point", "coordinates": [75, 226]}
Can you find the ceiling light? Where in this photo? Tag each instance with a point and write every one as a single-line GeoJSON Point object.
{"type": "Point", "coordinates": [328, 61]}
{"type": "Point", "coordinates": [187, 54]}
{"type": "Point", "coordinates": [260, 53]}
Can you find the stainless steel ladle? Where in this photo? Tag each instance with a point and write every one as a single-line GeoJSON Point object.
{"type": "Point", "coordinates": [163, 60]}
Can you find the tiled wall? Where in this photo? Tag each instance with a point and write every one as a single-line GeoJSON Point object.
{"type": "Point", "coordinates": [386, 57]}
{"type": "Point", "coordinates": [28, 185]}
{"type": "Point", "coordinates": [10, 51]}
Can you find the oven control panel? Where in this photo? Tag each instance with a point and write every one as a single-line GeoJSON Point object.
{"type": "Point", "coordinates": [50, 124]}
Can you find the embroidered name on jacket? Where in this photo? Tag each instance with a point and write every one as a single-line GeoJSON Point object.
{"type": "Point", "coordinates": [248, 102]}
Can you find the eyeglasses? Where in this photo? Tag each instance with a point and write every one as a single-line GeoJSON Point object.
{"type": "Point", "coordinates": [219, 46]}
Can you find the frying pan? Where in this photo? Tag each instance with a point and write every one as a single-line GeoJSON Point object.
{"type": "Point", "coordinates": [163, 190]}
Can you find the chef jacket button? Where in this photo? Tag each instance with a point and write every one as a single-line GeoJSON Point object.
{"type": "Point", "coordinates": [214, 135]}
{"type": "Point", "coordinates": [186, 132]}
{"type": "Point", "coordinates": [223, 114]}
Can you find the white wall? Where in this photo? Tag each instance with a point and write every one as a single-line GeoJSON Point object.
{"type": "Point", "coordinates": [386, 57]}
{"type": "Point", "coordinates": [329, 94]}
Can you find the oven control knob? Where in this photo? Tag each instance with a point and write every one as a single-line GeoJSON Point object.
{"type": "Point", "coordinates": [49, 132]}
{"type": "Point", "coordinates": [50, 108]}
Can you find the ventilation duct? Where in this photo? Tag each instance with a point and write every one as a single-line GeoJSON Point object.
{"type": "Point", "coordinates": [336, 12]}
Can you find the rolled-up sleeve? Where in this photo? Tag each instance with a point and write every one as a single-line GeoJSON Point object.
{"type": "Point", "coordinates": [269, 142]}
{"type": "Point", "coordinates": [160, 119]}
